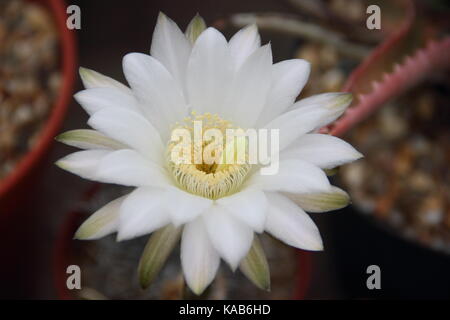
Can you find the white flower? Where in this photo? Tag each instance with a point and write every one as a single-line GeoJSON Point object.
{"type": "Point", "coordinates": [233, 83]}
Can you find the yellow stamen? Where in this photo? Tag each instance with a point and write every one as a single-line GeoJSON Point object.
{"type": "Point", "coordinates": [209, 180]}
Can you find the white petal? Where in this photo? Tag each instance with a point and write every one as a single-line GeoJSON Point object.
{"type": "Point", "coordinates": [287, 222]}
{"type": "Point", "coordinates": [171, 47]}
{"type": "Point", "coordinates": [294, 124]}
{"type": "Point", "coordinates": [199, 259]}
{"type": "Point", "coordinates": [130, 129]}
{"type": "Point", "coordinates": [230, 237]}
{"type": "Point", "coordinates": [155, 88]}
{"type": "Point", "coordinates": [309, 114]}
{"type": "Point", "coordinates": [209, 72]}
{"type": "Point", "coordinates": [322, 150]}
{"type": "Point", "coordinates": [96, 99]}
{"type": "Point", "coordinates": [244, 43]}
{"type": "Point", "coordinates": [103, 222]}
{"type": "Point", "coordinates": [129, 168]}
{"type": "Point", "coordinates": [89, 139]}
{"type": "Point", "coordinates": [294, 176]}
{"type": "Point", "coordinates": [83, 163]}
{"type": "Point", "coordinates": [250, 88]}
{"type": "Point", "coordinates": [184, 207]}
{"type": "Point", "coordinates": [248, 206]}
{"type": "Point", "coordinates": [288, 79]}
{"type": "Point", "coordinates": [94, 79]}
{"type": "Point", "coordinates": [142, 212]}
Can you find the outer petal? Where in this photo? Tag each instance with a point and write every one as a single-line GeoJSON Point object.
{"type": "Point", "coordinates": [184, 207]}
{"type": "Point", "coordinates": [322, 202]}
{"type": "Point", "coordinates": [255, 267]}
{"type": "Point", "coordinates": [290, 224]}
{"type": "Point", "coordinates": [171, 47]}
{"type": "Point", "coordinates": [83, 163]}
{"type": "Point", "coordinates": [231, 238]}
{"type": "Point", "coordinates": [288, 79]}
{"type": "Point", "coordinates": [89, 139]}
{"type": "Point", "coordinates": [209, 72]}
{"type": "Point", "coordinates": [94, 79]}
{"type": "Point", "coordinates": [243, 44]}
{"type": "Point", "coordinates": [156, 89]}
{"type": "Point", "coordinates": [322, 150]}
{"type": "Point", "coordinates": [195, 28]}
{"type": "Point", "coordinates": [142, 212]}
{"type": "Point", "coordinates": [156, 252]}
{"type": "Point", "coordinates": [199, 259]}
{"type": "Point", "coordinates": [249, 206]}
{"type": "Point", "coordinates": [102, 222]}
{"type": "Point", "coordinates": [294, 176]}
{"type": "Point", "coordinates": [96, 99]}
{"type": "Point", "coordinates": [309, 114]}
{"type": "Point", "coordinates": [130, 129]}
{"type": "Point", "coordinates": [129, 168]}
{"type": "Point", "coordinates": [250, 87]}
{"type": "Point", "coordinates": [333, 104]}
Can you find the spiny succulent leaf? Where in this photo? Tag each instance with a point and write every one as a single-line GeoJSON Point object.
{"type": "Point", "coordinates": [404, 76]}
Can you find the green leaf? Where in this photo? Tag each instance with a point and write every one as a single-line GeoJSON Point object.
{"type": "Point", "coordinates": [89, 139]}
{"type": "Point", "coordinates": [255, 266]}
{"type": "Point", "coordinates": [322, 202]}
{"type": "Point", "coordinates": [195, 28]}
{"type": "Point", "coordinates": [156, 252]}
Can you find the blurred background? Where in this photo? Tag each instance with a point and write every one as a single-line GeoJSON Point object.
{"type": "Point", "coordinates": [400, 216]}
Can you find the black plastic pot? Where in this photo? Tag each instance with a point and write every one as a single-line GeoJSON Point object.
{"type": "Point", "coordinates": [408, 271]}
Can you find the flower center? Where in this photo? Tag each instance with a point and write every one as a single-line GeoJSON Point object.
{"type": "Point", "coordinates": [199, 156]}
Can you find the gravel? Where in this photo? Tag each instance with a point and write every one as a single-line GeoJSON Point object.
{"type": "Point", "coordinates": [29, 77]}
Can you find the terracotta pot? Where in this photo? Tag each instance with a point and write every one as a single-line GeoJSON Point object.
{"type": "Point", "coordinates": [20, 181]}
